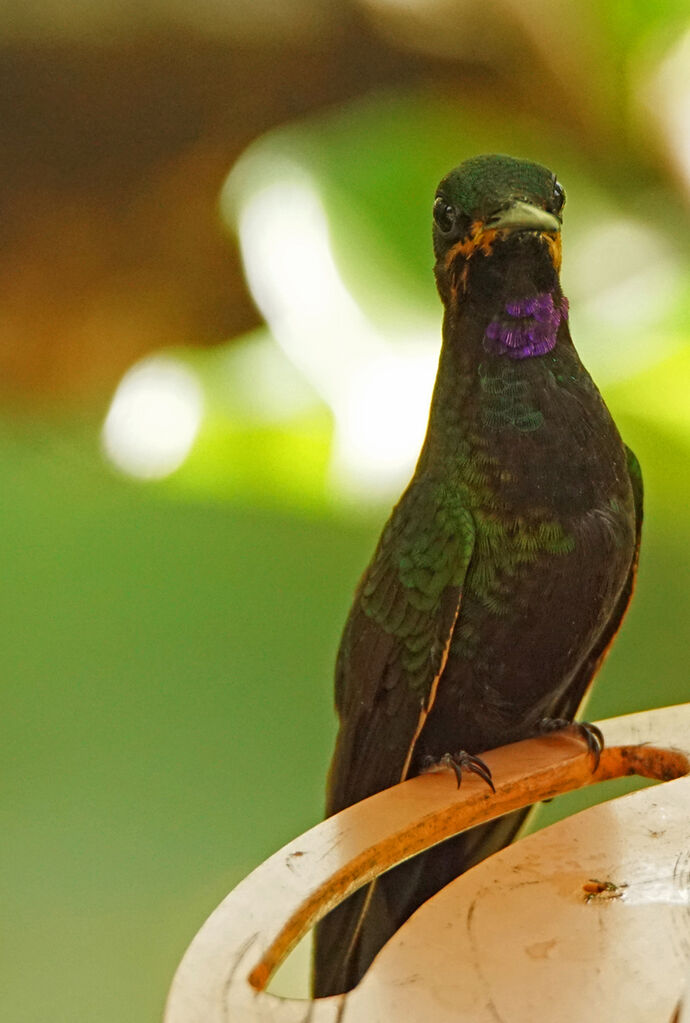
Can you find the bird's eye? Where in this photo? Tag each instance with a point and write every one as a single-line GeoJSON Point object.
{"type": "Point", "coordinates": [558, 197]}
{"type": "Point", "coordinates": [444, 215]}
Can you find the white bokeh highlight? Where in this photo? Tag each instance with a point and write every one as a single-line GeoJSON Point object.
{"type": "Point", "coordinates": [153, 419]}
{"type": "Point", "coordinates": [378, 389]}
{"type": "Point", "coordinates": [666, 93]}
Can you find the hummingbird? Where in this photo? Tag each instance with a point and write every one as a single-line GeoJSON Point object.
{"type": "Point", "coordinates": [503, 573]}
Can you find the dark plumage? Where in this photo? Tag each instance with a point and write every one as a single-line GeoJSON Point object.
{"type": "Point", "coordinates": [505, 569]}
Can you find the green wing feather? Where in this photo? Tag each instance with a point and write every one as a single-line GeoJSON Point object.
{"type": "Point", "coordinates": [396, 639]}
{"type": "Point", "coordinates": [391, 657]}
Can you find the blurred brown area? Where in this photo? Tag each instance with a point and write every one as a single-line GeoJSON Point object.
{"type": "Point", "coordinates": [114, 149]}
{"type": "Point", "coordinates": [111, 162]}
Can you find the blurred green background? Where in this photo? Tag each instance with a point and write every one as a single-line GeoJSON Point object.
{"type": "Point", "coordinates": [218, 334]}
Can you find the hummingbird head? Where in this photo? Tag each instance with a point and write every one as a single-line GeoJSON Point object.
{"type": "Point", "coordinates": [493, 213]}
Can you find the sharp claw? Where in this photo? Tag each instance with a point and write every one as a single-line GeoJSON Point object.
{"type": "Point", "coordinates": [475, 765]}
{"type": "Point", "coordinates": [598, 733]}
{"type": "Point", "coordinates": [447, 760]}
{"type": "Point", "coordinates": [483, 773]}
{"type": "Point", "coordinates": [463, 761]}
{"type": "Point", "coordinates": [592, 735]}
{"type": "Point", "coordinates": [595, 741]}
{"type": "Point", "coordinates": [458, 771]}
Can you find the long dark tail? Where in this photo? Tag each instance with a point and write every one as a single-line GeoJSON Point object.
{"type": "Point", "coordinates": [342, 953]}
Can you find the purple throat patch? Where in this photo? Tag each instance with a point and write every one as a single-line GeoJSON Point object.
{"type": "Point", "coordinates": [528, 327]}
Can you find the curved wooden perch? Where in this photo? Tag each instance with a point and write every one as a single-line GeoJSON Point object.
{"type": "Point", "coordinates": [224, 972]}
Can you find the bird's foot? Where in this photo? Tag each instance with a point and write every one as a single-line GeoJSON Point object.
{"type": "Point", "coordinates": [459, 762]}
{"type": "Point", "coordinates": [592, 735]}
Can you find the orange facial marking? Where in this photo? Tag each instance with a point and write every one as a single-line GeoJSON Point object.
{"type": "Point", "coordinates": [481, 239]}
{"type": "Point", "coordinates": [553, 241]}
{"type": "Point", "coordinates": [463, 276]}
